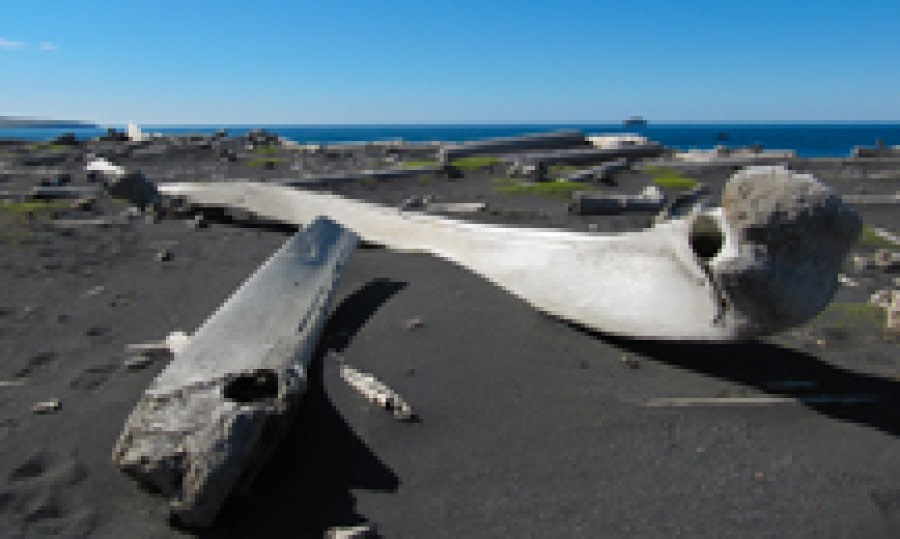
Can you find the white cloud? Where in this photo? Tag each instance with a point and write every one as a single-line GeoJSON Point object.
{"type": "Point", "coordinates": [11, 45]}
{"type": "Point", "coordinates": [47, 46]}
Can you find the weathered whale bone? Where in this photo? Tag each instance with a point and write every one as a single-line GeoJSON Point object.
{"type": "Point", "coordinates": [766, 260]}
{"type": "Point", "coordinates": [207, 422]}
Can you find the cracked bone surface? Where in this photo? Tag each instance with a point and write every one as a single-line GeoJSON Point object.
{"type": "Point", "coordinates": [207, 422]}
{"type": "Point", "coordinates": [768, 259]}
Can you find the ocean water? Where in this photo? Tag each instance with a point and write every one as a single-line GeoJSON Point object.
{"type": "Point", "coordinates": [808, 140]}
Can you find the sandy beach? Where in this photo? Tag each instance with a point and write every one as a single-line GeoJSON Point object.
{"type": "Point", "coordinates": [530, 426]}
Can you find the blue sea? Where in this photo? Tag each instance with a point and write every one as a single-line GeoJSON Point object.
{"type": "Point", "coordinates": [808, 140]}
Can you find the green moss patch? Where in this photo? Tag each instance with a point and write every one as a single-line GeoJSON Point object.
{"type": "Point", "coordinates": [668, 178]}
{"type": "Point", "coordinates": [870, 240]}
{"type": "Point", "coordinates": [418, 164]}
{"type": "Point", "coordinates": [477, 162]}
{"type": "Point", "coordinates": [34, 206]}
{"type": "Point", "coordinates": [556, 189]}
{"type": "Point", "coordinates": [266, 161]}
{"type": "Point", "coordinates": [850, 315]}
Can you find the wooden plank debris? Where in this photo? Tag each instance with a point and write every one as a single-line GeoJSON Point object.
{"type": "Point", "coordinates": [207, 422]}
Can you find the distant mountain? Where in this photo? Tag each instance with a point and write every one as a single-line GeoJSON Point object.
{"type": "Point", "coordinates": [10, 122]}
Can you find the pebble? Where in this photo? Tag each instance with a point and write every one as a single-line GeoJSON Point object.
{"type": "Point", "coordinates": [197, 222]}
{"type": "Point", "coordinates": [631, 363]}
{"type": "Point", "coordinates": [94, 291]}
{"type": "Point", "coordinates": [47, 407]}
{"type": "Point", "coordinates": [414, 323]}
{"type": "Point", "coordinates": [164, 256]}
{"type": "Point", "coordinates": [137, 363]}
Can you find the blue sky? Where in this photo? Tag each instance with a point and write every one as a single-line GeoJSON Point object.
{"type": "Point", "coordinates": [223, 62]}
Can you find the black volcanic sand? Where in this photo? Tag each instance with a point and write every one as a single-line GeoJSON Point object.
{"type": "Point", "coordinates": [529, 426]}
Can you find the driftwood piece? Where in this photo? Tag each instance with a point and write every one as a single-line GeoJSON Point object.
{"type": "Point", "coordinates": [379, 174]}
{"type": "Point", "coordinates": [207, 422]}
{"type": "Point", "coordinates": [585, 156]}
{"type": "Point", "coordinates": [595, 203]}
{"type": "Point", "coordinates": [545, 141]}
{"type": "Point", "coordinates": [601, 172]}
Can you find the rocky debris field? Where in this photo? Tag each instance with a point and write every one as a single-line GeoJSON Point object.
{"type": "Point", "coordinates": [525, 425]}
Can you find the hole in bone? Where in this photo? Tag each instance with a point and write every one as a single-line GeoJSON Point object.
{"type": "Point", "coordinates": [253, 386]}
{"type": "Point", "coordinates": [706, 237]}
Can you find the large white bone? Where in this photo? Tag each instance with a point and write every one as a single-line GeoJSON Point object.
{"type": "Point", "coordinates": [770, 255]}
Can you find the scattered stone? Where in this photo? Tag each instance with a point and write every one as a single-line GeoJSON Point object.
{"type": "Point", "coordinates": [881, 298]}
{"type": "Point", "coordinates": [133, 187]}
{"type": "Point", "coordinates": [629, 362]}
{"type": "Point", "coordinates": [131, 212]}
{"type": "Point", "coordinates": [84, 203]}
{"type": "Point", "coordinates": [198, 221]}
{"type": "Point", "coordinates": [860, 262]}
{"type": "Point", "coordinates": [376, 391]}
{"type": "Point", "coordinates": [164, 255]}
{"type": "Point", "coordinates": [94, 291]}
{"type": "Point", "coordinates": [137, 363]}
{"type": "Point", "coordinates": [886, 235]}
{"type": "Point", "coordinates": [886, 260]}
{"type": "Point", "coordinates": [47, 407]}
{"type": "Point", "coordinates": [414, 323]}
{"type": "Point", "coordinates": [96, 331]}
{"type": "Point", "coordinates": [11, 383]}
{"type": "Point", "coordinates": [847, 281]}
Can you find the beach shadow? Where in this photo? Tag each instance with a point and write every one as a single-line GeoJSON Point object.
{"type": "Point", "coordinates": [306, 486]}
{"type": "Point", "coordinates": [759, 364]}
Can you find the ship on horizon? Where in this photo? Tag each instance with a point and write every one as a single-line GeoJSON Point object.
{"type": "Point", "coordinates": [635, 121]}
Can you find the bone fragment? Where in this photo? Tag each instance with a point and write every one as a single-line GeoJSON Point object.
{"type": "Point", "coordinates": [886, 235]}
{"type": "Point", "coordinates": [376, 391]}
{"type": "Point", "coordinates": [873, 199]}
{"type": "Point", "coordinates": [765, 261]}
{"type": "Point", "coordinates": [207, 422]}
{"type": "Point", "coordinates": [173, 344]}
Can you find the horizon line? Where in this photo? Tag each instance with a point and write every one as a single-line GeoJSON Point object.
{"type": "Point", "coordinates": [506, 123]}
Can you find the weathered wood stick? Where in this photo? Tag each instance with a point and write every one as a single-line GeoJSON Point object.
{"type": "Point", "coordinates": [595, 203]}
{"type": "Point", "coordinates": [546, 141]}
{"type": "Point", "coordinates": [207, 422]}
{"type": "Point", "coordinates": [584, 156]}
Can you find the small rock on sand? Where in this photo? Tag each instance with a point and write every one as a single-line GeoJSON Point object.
{"type": "Point", "coordinates": [414, 323]}
{"type": "Point", "coordinates": [47, 407]}
{"type": "Point", "coordinates": [137, 363]}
